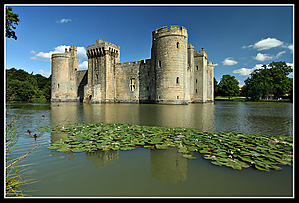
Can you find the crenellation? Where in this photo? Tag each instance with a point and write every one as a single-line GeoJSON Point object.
{"type": "Point", "coordinates": [175, 73]}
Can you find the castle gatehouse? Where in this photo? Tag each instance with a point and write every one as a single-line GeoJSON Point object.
{"type": "Point", "coordinates": [175, 73]}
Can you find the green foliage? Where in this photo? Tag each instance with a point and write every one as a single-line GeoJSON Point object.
{"type": "Point", "coordinates": [22, 86]}
{"type": "Point", "coordinates": [228, 86]}
{"type": "Point", "coordinates": [269, 80]}
{"type": "Point", "coordinates": [216, 93]}
{"type": "Point", "coordinates": [11, 19]}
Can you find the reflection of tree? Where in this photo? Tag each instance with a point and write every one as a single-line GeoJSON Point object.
{"type": "Point", "coordinates": [102, 158]}
{"type": "Point", "coordinates": [168, 165]}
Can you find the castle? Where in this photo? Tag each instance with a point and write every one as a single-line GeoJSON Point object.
{"type": "Point", "coordinates": [175, 74]}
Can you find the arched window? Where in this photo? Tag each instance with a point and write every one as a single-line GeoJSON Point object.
{"type": "Point", "coordinates": [177, 45]}
{"type": "Point", "coordinates": [58, 86]}
{"type": "Point", "coordinates": [132, 84]}
{"type": "Point", "coordinates": [177, 80]}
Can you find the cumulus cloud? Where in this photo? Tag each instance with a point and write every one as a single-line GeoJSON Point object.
{"type": "Point", "coordinates": [265, 44]}
{"type": "Point", "coordinates": [243, 71]}
{"type": "Point", "coordinates": [247, 71]}
{"type": "Point", "coordinates": [44, 72]}
{"type": "Point", "coordinates": [83, 65]}
{"type": "Point", "coordinates": [46, 56]}
{"type": "Point", "coordinates": [64, 20]}
{"type": "Point", "coordinates": [81, 52]}
{"type": "Point", "coordinates": [291, 47]}
{"type": "Point", "coordinates": [265, 57]}
{"type": "Point", "coordinates": [229, 61]}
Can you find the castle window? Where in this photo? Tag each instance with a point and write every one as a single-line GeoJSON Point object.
{"type": "Point", "coordinates": [177, 97]}
{"type": "Point", "coordinates": [58, 86]}
{"type": "Point", "coordinates": [177, 45]}
{"type": "Point", "coordinates": [196, 67]}
{"type": "Point", "coordinates": [159, 65]}
{"type": "Point", "coordinates": [132, 84]}
{"type": "Point", "coordinates": [195, 80]}
{"type": "Point", "coordinates": [177, 80]}
{"type": "Point", "coordinates": [196, 90]}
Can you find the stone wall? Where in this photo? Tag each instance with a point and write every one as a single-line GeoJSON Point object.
{"type": "Point", "coordinates": [169, 58]}
{"type": "Point", "coordinates": [64, 83]}
{"type": "Point", "coordinates": [175, 74]}
{"type": "Point", "coordinates": [127, 82]}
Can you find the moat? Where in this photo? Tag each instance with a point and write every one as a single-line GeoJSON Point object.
{"type": "Point", "coordinates": [145, 172]}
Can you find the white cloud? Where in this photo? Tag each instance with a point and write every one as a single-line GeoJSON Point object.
{"type": "Point", "coordinates": [229, 61]}
{"type": "Point", "coordinates": [81, 52]}
{"type": "Point", "coordinates": [33, 57]}
{"type": "Point", "coordinates": [265, 57]}
{"type": "Point", "coordinates": [265, 44]}
{"type": "Point", "coordinates": [243, 71]}
{"type": "Point", "coordinates": [46, 56]}
{"type": "Point", "coordinates": [247, 71]}
{"type": "Point", "coordinates": [64, 20]}
{"type": "Point", "coordinates": [83, 65]}
{"type": "Point", "coordinates": [44, 72]}
{"type": "Point", "coordinates": [280, 53]}
{"type": "Point", "coordinates": [291, 47]}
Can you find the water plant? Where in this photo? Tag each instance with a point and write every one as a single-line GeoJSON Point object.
{"type": "Point", "coordinates": [14, 172]}
{"type": "Point", "coordinates": [231, 149]}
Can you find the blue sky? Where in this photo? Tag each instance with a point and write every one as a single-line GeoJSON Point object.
{"type": "Point", "coordinates": [237, 39]}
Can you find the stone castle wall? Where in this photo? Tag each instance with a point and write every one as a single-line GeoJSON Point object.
{"type": "Point", "coordinates": [169, 55]}
{"type": "Point", "coordinates": [64, 83]}
{"type": "Point", "coordinates": [175, 74]}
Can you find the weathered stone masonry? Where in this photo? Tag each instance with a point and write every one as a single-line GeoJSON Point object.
{"type": "Point", "coordinates": [175, 74]}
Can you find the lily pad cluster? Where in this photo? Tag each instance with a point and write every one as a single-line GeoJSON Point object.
{"type": "Point", "coordinates": [235, 150]}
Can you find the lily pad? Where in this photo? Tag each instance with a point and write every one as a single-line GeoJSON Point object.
{"type": "Point", "coordinates": [235, 150]}
{"type": "Point", "coordinates": [189, 156]}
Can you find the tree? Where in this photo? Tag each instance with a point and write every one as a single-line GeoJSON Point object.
{"type": "Point", "coordinates": [11, 19]}
{"type": "Point", "coordinates": [215, 87]}
{"type": "Point", "coordinates": [228, 86]}
{"type": "Point", "coordinates": [21, 85]}
{"type": "Point", "coordinates": [19, 90]}
{"type": "Point", "coordinates": [271, 79]}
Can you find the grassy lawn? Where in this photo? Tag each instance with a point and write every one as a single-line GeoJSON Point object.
{"type": "Point", "coordinates": [225, 98]}
{"type": "Point", "coordinates": [240, 98]}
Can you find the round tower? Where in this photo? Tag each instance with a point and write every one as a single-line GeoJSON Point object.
{"type": "Point", "coordinates": [170, 61]}
{"type": "Point", "coordinates": [63, 84]}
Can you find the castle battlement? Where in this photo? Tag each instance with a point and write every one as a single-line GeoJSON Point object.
{"type": "Point", "coordinates": [175, 73]}
{"type": "Point", "coordinates": [101, 46]}
{"type": "Point", "coordinates": [201, 53]}
{"type": "Point", "coordinates": [60, 55]}
{"type": "Point", "coordinates": [173, 30]}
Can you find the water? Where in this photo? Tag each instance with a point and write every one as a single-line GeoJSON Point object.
{"type": "Point", "coordinates": [144, 172]}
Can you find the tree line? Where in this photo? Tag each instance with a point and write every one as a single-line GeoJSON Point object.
{"type": "Point", "coordinates": [271, 80]}
{"type": "Point", "coordinates": [22, 86]}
